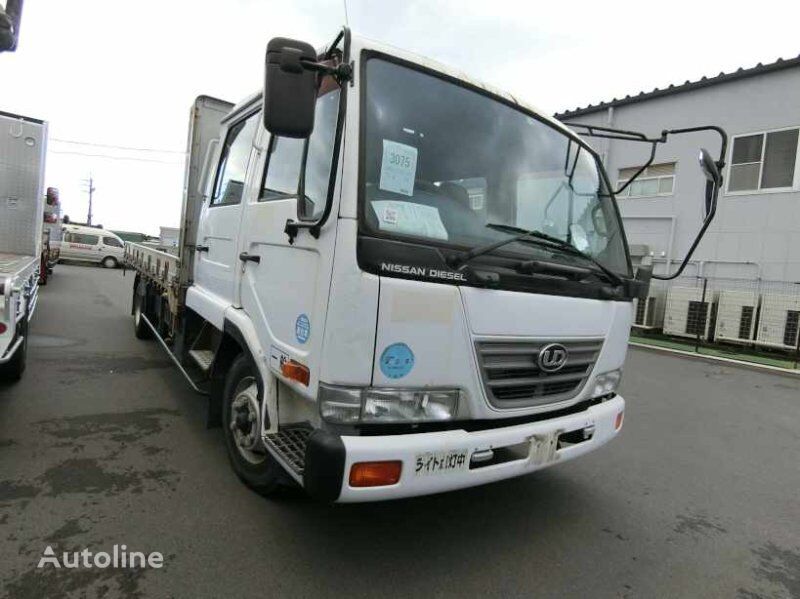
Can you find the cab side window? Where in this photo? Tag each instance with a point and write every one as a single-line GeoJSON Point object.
{"type": "Point", "coordinates": [285, 160]}
{"type": "Point", "coordinates": [232, 169]}
{"type": "Point", "coordinates": [320, 152]}
{"type": "Point", "coordinates": [112, 241]}
{"type": "Point", "coordinates": [283, 168]}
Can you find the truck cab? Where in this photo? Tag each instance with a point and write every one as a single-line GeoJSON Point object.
{"type": "Point", "coordinates": [404, 281]}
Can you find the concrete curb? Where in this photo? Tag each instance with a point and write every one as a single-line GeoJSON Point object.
{"type": "Point", "coordinates": [795, 374]}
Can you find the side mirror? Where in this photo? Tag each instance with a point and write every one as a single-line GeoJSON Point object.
{"type": "Point", "coordinates": [290, 89]}
{"type": "Point", "coordinates": [709, 167]}
{"type": "Point", "coordinates": [713, 178]}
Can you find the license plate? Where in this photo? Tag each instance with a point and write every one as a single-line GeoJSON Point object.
{"type": "Point", "coordinates": [440, 462]}
{"type": "Point", "coordinates": [543, 448]}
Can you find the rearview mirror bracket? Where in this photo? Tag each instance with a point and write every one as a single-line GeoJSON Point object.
{"type": "Point", "coordinates": [712, 169]}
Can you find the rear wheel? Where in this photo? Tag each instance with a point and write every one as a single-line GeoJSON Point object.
{"type": "Point", "coordinates": [109, 262]}
{"type": "Point", "coordinates": [140, 328]}
{"type": "Point", "coordinates": [241, 421]}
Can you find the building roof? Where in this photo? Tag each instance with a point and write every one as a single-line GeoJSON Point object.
{"type": "Point", "coordinates": [740, 73]}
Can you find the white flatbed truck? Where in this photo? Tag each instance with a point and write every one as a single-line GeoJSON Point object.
{"type": "Point", "coordinates": [23, 143]}
{"type": "Point", "coordinates": [394, 280]}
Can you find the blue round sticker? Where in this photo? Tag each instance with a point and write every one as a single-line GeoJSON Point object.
{"type": "Point", "coordinates": [302, 328]}
{"type": "Point", "coordinates": [397, 360]}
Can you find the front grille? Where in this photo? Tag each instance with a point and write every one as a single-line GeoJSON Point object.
{"type": "Point", "coordinates": [513, 379]}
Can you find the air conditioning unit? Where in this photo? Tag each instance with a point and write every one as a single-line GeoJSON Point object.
{"type": "Point", "coordinates": [646, 313]}
{"type": "Point", "coordinates": [686, 313]}
{"type": "Point", "coordinates": [736, 316]}
{"type": "Point", "coordinates": [780, 320]}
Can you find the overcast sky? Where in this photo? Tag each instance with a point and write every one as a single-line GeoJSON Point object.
{"type": "Point", "coordinates": [111, 73]}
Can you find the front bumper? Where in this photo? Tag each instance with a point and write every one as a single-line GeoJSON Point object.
{"type": "Point", "coordinates": [340, 453]}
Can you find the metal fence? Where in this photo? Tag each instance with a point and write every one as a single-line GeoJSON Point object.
{"type": "Point", "coordinates": [746, 319]}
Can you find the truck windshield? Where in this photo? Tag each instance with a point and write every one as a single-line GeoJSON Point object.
{"type": "Point", "coordinates": [442, 161]}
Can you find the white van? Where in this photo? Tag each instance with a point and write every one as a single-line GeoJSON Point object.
{"type": "Point", "coordinates": [90, 244]}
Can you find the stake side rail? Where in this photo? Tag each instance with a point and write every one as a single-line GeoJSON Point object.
{"type": "Point", "coordinates": [156, 266]}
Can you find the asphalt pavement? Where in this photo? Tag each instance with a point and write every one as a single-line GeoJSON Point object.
{"type": "Point", "coordinates": [103, 443]}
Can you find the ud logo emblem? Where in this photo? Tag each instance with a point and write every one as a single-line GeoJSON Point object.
{"type": "Point", "coordinates": [552, 357]}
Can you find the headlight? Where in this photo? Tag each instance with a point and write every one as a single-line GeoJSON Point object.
{"type": "Point", "coordinates": [401, 405]}
{"type": "Point", "coordinates": [350, 405]}
{"type": "Point", "coordinates": [340, 404]}
{"type": "Point", "coordinates": [606, 383]}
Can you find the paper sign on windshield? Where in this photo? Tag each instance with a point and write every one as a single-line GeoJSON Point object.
{"type": "Point", "coordinates": [409, 218]}
{"type": "Point", "coordinates": [398, 168]}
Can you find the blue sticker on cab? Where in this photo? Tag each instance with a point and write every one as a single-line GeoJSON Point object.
{"type": "Point", "coordinates": [397, 360]}
{"type": "Point", "coordinates": [302, 328]}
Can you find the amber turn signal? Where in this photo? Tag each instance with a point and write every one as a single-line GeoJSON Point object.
{"type": "Point", "coordinates": [375, 474]}
{"type": "Point", "coordinates": [618, 420]}
{"type": "Point", "coordinates": [295, 371]}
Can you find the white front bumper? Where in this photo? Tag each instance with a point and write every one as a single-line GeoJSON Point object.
{"type": "Point", "coordinates": [406, 447]}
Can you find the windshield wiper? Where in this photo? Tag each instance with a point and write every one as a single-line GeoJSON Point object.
{"type": "Point", "coordinates": [520, 234]}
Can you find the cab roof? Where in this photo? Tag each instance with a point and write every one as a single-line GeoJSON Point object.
{"type": "Point", "coordinates": [360, 42]}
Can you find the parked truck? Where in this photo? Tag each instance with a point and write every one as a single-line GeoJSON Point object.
{"type": "Point", "coordinates": [393, 280]}
{"type": "Point", "coordinates": [23, 143]}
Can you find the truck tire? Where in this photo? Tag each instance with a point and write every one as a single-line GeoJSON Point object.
{"type": "Point", "coordinates": [254, 466]}
{"type": "Point", "coordinates": [109, 262]}
{"type": "Point", "coordinates": [13, 369]}
{"type": "Point", "coordinates": [140, 328]}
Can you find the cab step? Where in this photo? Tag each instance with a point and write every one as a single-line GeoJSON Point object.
{"type": "Point", "coordinates": [290, 446]}
{"type": "Point", "coordinates": [204, 358]}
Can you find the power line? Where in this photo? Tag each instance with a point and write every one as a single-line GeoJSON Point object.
{"type": "Point", "coordinates": [110, 157]}
{"type": "Point", "coordinates": [98, 145]}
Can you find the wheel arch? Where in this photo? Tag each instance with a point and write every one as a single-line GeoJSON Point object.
{"type": "Point", "coordinates": [237, 338]}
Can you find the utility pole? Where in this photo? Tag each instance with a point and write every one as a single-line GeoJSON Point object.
{"type": "Point", "coordinates": [90, 190]}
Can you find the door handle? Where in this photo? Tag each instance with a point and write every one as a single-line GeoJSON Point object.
{"type": "Point", "coordinates": [245, 257]}
{"type": "Point", "coordinates": [201, 248]}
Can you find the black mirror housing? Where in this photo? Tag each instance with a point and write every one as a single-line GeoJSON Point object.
{"type": "Point", "coordinates": [710, 168]}
{"type": "Point", "coordinates": [290, 89]}
{"type": "Point", "coordinates": [713, 178]}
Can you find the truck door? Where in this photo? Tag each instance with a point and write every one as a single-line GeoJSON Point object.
{"type": "Point", "coordinates": [217, 255]}
{"type": "Point", "coordinates": [285, 293]}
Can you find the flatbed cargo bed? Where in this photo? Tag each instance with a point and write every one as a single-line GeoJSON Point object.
{"type": "Point", "coordinates": [16, 264]}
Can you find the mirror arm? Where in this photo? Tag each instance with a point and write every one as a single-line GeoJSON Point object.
{"type": "Point", "coordinates": [341, 72]}
{"type": "Point", "coordinates": [696, 242]}
{"type": "Point", "coordinates": [654, 145]}
{"type": "Point", "coordinates": [723, 149]}
{"type": "Point", "coordinates": [715, 194]}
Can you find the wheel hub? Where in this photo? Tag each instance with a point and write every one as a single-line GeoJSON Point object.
{"type": "Point", "coordinates": [244, 419]}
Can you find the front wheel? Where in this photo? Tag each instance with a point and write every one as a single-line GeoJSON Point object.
{"type": "Point", "coordinates": [109, 262]}
{"type": "Point", "coordinates": [241, 421]}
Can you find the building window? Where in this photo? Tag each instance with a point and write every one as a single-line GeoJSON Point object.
{"type": "Point", "coordinates": [656, 180]}
{"type": "Point", "coordinates": [765, 160]}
